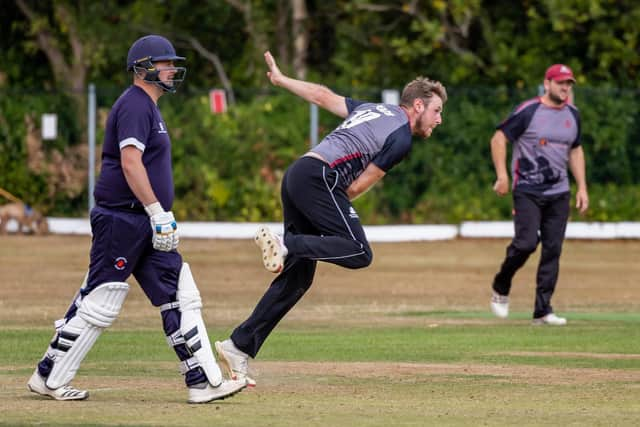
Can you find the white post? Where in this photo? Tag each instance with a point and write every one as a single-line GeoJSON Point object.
{"type": "Point", "coordinates": [91, 133]}
{"type": "Point", "coordinates": [313, 125]}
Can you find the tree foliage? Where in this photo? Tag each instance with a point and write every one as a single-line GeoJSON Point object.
{"type": "Point", "coordinates": [351, 43]}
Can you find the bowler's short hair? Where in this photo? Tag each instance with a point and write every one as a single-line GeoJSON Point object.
{"type": "Point", "coordinates": [424, 88]}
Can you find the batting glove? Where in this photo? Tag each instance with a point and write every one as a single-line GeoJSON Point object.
{"type": "Point", "coordinates": [165, 230]}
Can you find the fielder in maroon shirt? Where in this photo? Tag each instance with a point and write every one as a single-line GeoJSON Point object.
{"type": "Point", "coordinates": [545, 133]}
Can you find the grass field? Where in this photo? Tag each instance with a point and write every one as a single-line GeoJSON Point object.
{"type": "Point", "coordinates": [406, 342]}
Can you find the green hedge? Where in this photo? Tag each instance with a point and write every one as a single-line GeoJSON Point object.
{"type": "Point", "coordinates": [15, 175]}
{"type": "Point", "coordinates": [228, 167]}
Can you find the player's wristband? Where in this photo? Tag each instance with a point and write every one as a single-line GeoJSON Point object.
{"type": "Point", "coordinates": [153, 209]}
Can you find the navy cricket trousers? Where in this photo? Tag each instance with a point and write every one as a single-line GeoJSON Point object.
{"type": "Point", "coordinates": [320, 225]}
{"type": "Point", "coordinates": [537, 219]}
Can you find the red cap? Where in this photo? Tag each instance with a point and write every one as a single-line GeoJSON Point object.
{"type": "Point", "coordinates": [559, 73]}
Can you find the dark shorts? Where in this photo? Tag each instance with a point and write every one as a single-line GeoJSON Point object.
{"type": "Point", "coordinates": [121, 246]}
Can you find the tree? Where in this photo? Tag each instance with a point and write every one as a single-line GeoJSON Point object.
{"type": "Point", "coordinates": [300, 33]}
{"type": "Point", "coordinates": [69, 71]}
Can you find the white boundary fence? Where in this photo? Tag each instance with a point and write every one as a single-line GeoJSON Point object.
{"type": "Point", "coordinates": [375, 233]}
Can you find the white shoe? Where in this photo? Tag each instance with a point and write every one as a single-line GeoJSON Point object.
{"type": "Point", "coordinates": [550, 319]}
{"type": "Point", "coordinates": [205, 392]}
{"type": "Point", "coordinates": [234, 361]}
{"type": "Point", "coordinates": [37, 385]}
{"type": "Point", "coordinates": [500, 305]}
{"type": "Point", "coordinates": [273, 249]}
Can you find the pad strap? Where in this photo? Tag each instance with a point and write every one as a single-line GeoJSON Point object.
{"type": "Point", "coordinates": [175, 339]}
{"type": "Point", "coordinates": [169, 306]}
{"type": "Point", "coordinates": [187, 365]}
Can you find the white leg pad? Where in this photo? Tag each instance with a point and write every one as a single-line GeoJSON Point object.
{"type": "Point", "coordinates": [192, 326]}
{"type": "Point", "coordinates": [96, 312]}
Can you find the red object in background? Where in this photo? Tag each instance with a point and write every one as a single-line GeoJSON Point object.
{"type": "Point", "coordinates": [218, 101]}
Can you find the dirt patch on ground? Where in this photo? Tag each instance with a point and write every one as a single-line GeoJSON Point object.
{"type": "Point", "coordinates": [274, 374]}
{"type": "Point", "coordinates": [604, 356]}
{"type": "Point", "coordinates": [422, 372]}
{"type": "Point", "coordinates": [42, 274]}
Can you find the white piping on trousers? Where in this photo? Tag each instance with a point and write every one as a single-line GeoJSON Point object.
{"type": "Point", "coordinates": [335, 202]}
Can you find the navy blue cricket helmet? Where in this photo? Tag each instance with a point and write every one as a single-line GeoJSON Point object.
{"type": "Point", "coordinates": [147, 50]}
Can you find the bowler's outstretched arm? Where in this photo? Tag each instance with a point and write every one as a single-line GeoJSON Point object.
{"type": "Point", "coordinates": [312, 92]}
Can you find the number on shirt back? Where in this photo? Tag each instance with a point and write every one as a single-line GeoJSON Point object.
{"type": "Point", "coordinates": [359, 117]}
{"type": "Point", "coordinates": [365, 116]}
{"type": "Point", "coordinates": [384, 110]}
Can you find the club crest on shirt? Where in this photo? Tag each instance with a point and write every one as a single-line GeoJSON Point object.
{"type": "Point", "coordinates": [121, 263]}
{"type": "Point", "coordinates": [162, 129]}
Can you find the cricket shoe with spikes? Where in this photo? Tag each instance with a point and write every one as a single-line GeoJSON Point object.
{"type": "Point", "coordinates": [37, 385]}
{"type": "Point", "coordinates": [205, 392]}
{"type": "Point", "coordinates": [500, 305]}
{"type": "Point", "coordinates": [550, 319]}
{"type": "Point", "coordinates": [234, 361]}
{"type": "Point", "coordinates": [272, 247]}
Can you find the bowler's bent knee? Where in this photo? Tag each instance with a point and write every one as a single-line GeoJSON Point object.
{"type": "Point", "coordinates": [363, 260]}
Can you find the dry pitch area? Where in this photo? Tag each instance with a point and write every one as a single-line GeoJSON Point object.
{"type": "Point", "coordinates": [41, 274]}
